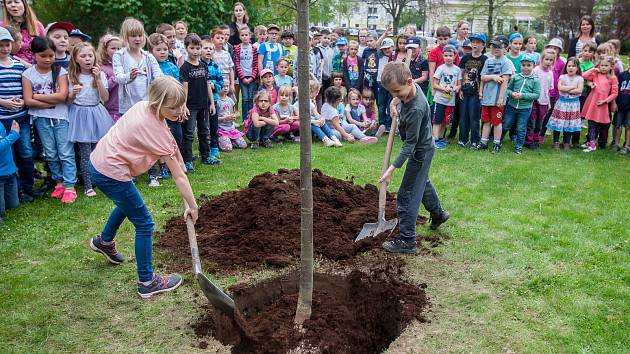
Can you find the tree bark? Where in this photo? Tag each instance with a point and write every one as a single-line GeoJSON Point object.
{"type": "Point", "coordinates": [305, 296]}
{"type": "Point", "coordinates": [490, 19]}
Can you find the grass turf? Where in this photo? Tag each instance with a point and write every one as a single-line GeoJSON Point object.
{"type": "Point", "coordinates": [537, 259]}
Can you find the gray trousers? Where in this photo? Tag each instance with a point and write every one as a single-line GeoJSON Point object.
{"type": "Point", "coordinates": [416, 188]}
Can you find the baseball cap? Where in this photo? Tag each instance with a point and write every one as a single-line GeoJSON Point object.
{"type": "Point", "coordinates": [63, 25]}
{"type": "Point", "coordinates": [467, 43]}
{"type": "Point", "coordinates": [529, 57]}
{"type": "Point", "coordinates": [556, 42]}
{"type": "Point", "coordinates": [387, 43]}
{"type": "Point", "coordinates": [478, 36]}
{"type": "Point", "coordinates": [272, 26]}
{"type": "Point", "coordinates": [5, 35]}
{"type": "Point", "coordinates": [342, 41]}
{"type": "Point", "coordinates": [500, 41]}
{"type": "Point", "coordinates": [413, 42]}
{"type": "Point", "coordinates": [264, 72]}
{"type": "Point", "coordinates": [373, 34]}
{"type": "Point", "coordinates": [77, 33]}
{"type": "Point", "coordinates": [449, 48]}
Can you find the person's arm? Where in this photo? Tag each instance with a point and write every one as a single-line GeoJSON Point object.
{"type": "Point", "coordinates": [534, 93]}
{"type": "Point", "coordinates": [589, 74]}
{"type": "Point", "coordinates": [212, 107]}
{"type": "Point", "coordinates": [255, 66]}
{"type": "Point", "coordinates": [272, 120]}
{"type": "Point", "coordinates": [185, 86]}
{"type": "Point", "coordinates": [12, 104]}
{"type": "Point", "coordinates": [153, 65]}
{"type": "Point", "coordinates": [431, 68]}
{"type": "Point", "coordinates": [103, 93]}
{"type": "Point", "coordinates": [350, 119]}
{"type": "Point", "coordinates": [260, 60]}
{"type": "Point", "coordinates": [501, 97]}
{"type": "Point", "coordinates": [578, 89]}
{"type": "Point", "coordinates": [59, 96]}
{"type": "Point", "coordinates": [257, 121]}
{"type": "Point", "coordinates": [435, 85]}
{"type": "Point", "coordinates": [237, 62]}
{"type": "Point", "coordinates": [120, 75]}
{"type": "Point", "coordinates": [11, 138]}
{"type": "Point", "coordinates": [232, 89]}
{"type": "Point", "coordinates": [176, 166]}
{"type": "Point", "coordinates": [412, 131]}
{"type": "Point", "coordinates": [614, 90]}
{"type": "Point", "coordinates": [510, 88]}
{"type": "Point", "coordinates": [27, 93]}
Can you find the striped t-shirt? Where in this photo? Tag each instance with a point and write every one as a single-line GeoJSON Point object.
{"type": "Point", "coordinates": [11, 87]}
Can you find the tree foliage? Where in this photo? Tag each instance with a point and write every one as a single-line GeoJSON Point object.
{"type": "Point", "coordinates": [395, 8]}
{"type": "Point", "coordinates": [491, 10]}
{"type": "Point", "coordinates": [97, 16]}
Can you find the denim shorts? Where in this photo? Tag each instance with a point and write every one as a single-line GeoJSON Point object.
{"type": "Point", "coordinates": [622, 119]}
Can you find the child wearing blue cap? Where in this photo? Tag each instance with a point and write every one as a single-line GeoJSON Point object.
{"type": "Point", "coordinates": [523, 89]}
{"type": "Point", "coordinates": [514, 55]}
{"type": "Point", "coordinates": [470, 109]}
{"type": "Point", "coordinates": [340, 57]}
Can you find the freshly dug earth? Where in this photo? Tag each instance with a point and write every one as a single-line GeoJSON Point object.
{"type": "Point", "coordinates": [260, 225]}
{"type": "Point", "coordinates": [357, 313]}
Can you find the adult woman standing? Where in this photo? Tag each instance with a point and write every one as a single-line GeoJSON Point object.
{"type": "Point", "coordinates": [18, 13]}
{"type": "Point", "coordinates": [130, 148]}
{"type": "Point", "coordinates": [239, 19]}
{"type": "Point", "coordinates": [461, 34]}
{"type": "Point", "coordinates": [587, 34]}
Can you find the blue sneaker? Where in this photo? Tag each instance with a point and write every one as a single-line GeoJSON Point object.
{"type": "Point", "coordinates": [159, 284]}
{"type": "Point", "coordinates": [518, 150]}
{"type": "Point", "coordinates": [210, 160]}
{"type": "Point", "coordinates": [400, 246]}
{"type": "Point", "coordinates": [440, 145]}
{"type": "Point", "coordinates": [164, 172]}
{"type": "Point", "coordinates": [214, 152]}
{"type": "Point", "coordinates": [189, 167]}
{"type": "Point", "coordinates": [109, 251]}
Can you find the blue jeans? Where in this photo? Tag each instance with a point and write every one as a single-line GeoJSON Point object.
{"type": "Point", "coordinates": [8, 193]}
{"type": "Point", "coordinates": [521, 116]}
{"type": "Point", "coordinates": [383, 100]}
{"type": "Point", "coordinates": [25, 161]}
{"type": "Point", "coordinates": [130, 205]}
{"type": "Point", "coordinates": [322, 132]}
{"type": "Point", "coordinates": [259, 134]}
{"type": "Point", "coordinates": [416, 188]}
{"type": "Point", "coordinates": [247, 99]}
{"type": "Point", "coordinates": [58, 150]}
{"type": "Point", "coordinates": [470, 117]}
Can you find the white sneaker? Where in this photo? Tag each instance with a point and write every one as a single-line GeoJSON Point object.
{"type": "Point", "coordinates": [369, 140]}
{"type": "Point", "coordinates": [327, 142]}
{"type": "Point", "coordinates": [336, 141]}
{"type": "Point", "coordinates": [380, 130]}
{"type": "Point", "coordinates": [153, 181]}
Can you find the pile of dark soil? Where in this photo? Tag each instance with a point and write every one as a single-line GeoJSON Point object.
{"type": "Point", "coordinates": [357, 313]}
{"type": "Point", "coordinates": [260, 225]}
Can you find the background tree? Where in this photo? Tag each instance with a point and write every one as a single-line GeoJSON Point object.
{"type": "Point", "coordinates": [563, 17]}
{"type": "Point", "coordinates": [201, 15]}
{"type": "Point", "coordinates": [395, 8]}
{"type": "Point", "coordinates": [345, 9]}
{"type": "Point", "coordinates": [491, 10]}
{"type": "Point", "coordinates": [415, 14]}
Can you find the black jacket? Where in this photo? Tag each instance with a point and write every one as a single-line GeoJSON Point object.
{"type": "Point", "coordinates": [346, 76]}
{"type": "Point", "coordinates": [573, 44]}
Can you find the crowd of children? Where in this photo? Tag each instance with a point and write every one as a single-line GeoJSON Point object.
{"type": "Point", "coordinates": [60, 94]}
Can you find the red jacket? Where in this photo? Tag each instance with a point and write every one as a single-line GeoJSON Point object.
{"type": "Point", "coordinates": [237, 62]}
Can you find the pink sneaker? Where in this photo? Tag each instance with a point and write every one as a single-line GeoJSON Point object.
{"type": "Point", "coordinates": [69, 196]}
{"type": "Point", "coordinates": [369, 140]}
{"type": "Point", "coordinates": [58, 192]}
{"type": "Point", "coordinates": [590, 147]}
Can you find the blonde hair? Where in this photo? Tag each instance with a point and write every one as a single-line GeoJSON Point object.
{"type": "Point", "coordinates": [182, 22]}
{"type": "Point", "coordinates": [30, 20]}
{"type": "Point", "coordinates": [615, 43]}
{"type": "Point", "coordinates": [245, 16]}
{"type": "Point", "coordinates": [545, 53]}
{"type": "Point", "coordinates": [355, 92]}
{"type": "Point", "coordinates": [260, 28]}
{"type": "Point", "coordinates": [259, 95]}
{"type": "Point", "coordinates": [74, 69]}
{"type": "Point", "coordinates": [132, 27]}
{"type": "Point", "coordinates": [610, 60]}
{"type": "Point", "coordinates": [603, 50]}
{"type": "Point", "coordinates": [285, 90]}
{"type": "Point", "coordinates": [155, 39]}
{"type": "Point", "coordinates": [165, 91]}
{"type": "Point", "coordinates": [101, 51]}
{"type": "Point", "coordinates": [313, 85]}
{"type": "Point", "coordinates": [354, 43]}
{"type": "Point", "coordinates": [395, 73]}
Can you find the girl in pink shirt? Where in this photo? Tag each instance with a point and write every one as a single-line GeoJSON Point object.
{"type": "Point", "coordinates": [130, 148]}
{"type": "Point", "coordinates": [556, 45]}
{"type": "Point", "coordinates": [540, 107]}
{"type": "Point", "coordinates": [596, 108]}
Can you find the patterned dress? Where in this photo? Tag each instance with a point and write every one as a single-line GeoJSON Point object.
{"type": "Point", "coordinates": [566, 116]}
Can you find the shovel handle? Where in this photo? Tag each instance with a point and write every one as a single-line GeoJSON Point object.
{"type": "Point", "coordinates": [382, 195]}
{"type": "Point", "coordinates": [192, 239]}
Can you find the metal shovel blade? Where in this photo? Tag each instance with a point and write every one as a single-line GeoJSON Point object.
{"type": "Point", "coordinates": [215, 295]}
{"type": "Point", "coordinates": [374, 229]}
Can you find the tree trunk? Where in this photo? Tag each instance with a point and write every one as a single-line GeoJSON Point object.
{"type": "Point", "coordinates": [490, 19]}
{"type": "Point", "coordinates": [305, 297]}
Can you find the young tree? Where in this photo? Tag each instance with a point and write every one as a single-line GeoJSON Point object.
{"type": "Point", "coordinates": [305, 296]}
{"type": "Point", "coordinates": [491, 10]}
{"type": "Point", "coordinates": [395, 8]}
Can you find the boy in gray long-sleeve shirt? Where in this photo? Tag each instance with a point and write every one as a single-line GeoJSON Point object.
{"type": "Point", "coordinates": [418, 147]}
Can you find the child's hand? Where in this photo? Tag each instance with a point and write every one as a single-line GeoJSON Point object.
{"type": "Point", "coordinates": [387, 176]}
{"type": "Point", "coordinates": [500, 103]}
{"type": "Point", "coordinates": [186, 114]}
{"type": "Point", "coordinates": [232, 90]}
{"type": "Point", "coordinates": [516, 95]}
{"type": "Point", "coordinates": [212, 109]}
{"type": "Point", "coordinates": [591, 84]}
{"type": "Point", "coordinates": [134, 73]}
{"type": "Point", "coordinates": [96, 71]}
{"type": "Point", "coordinates": [15, 103]}
{"type": "Point", "coordinates": [76, 89]}
{"type": "Point", "coordinates": [212, 85]}
{"type": "Point", "coordinates": [601, 102]}
{"type": "Point", "coordinates": [498, 79]}
{"type": "Point", "coordinates": [350, 138]}
{"type": "Point", "coordinates": [461, 95]}
{"type": "Point", "coordinates": [15, 126]}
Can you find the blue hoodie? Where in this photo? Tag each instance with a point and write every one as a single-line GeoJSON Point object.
{"type": "Point", "coordinates": [7, 166]}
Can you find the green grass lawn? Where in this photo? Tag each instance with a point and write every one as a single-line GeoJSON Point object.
{"type": "Point", "coordinates": [537, 261]}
